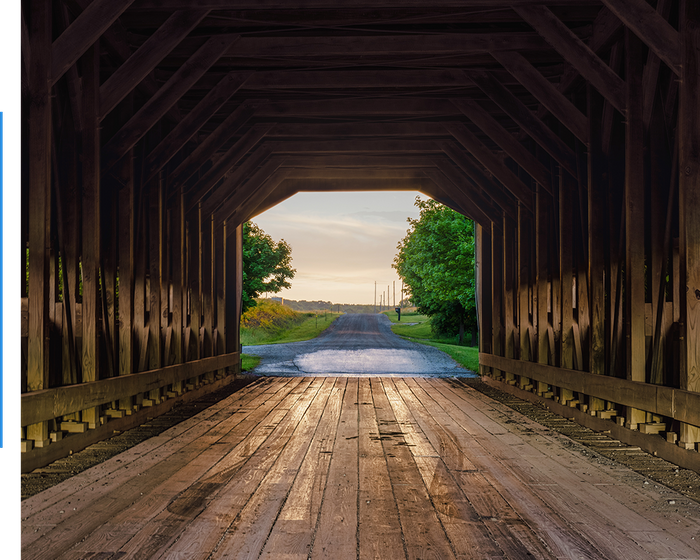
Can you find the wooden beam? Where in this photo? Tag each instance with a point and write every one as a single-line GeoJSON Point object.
{"type": "Point", "coordinates": [227, 161]}
{"type": "Point", "coordinates": [294, 130]}
{"type": "Point", "coordinates": [358, 107]}
{"type": "Point", "coordinates": [83, 33]}
{"type": "Point", "coordinates": [461, 161]}
{"type": "Point", "coordinates": [473, 145]}
{"type": "Point", "coordinates": [567, 189]}
{"type": "Point", "coordinates": [194, 120]}
{"type": "Point", "coordinates": [483, 274]}
{"type": "Point", "coordinates": [363, 45]}
{"type": "Point", "coordinates": [453, 193]}
{"type": "Point", "coordinates": [597, 239]}
{"type": "Point", "coordinates": [235, 178]}
{"type": "Point", "coordinates": [666, 401]}
{"type": "Point", "coordinates": [144, 60]}
{"type": "Point", "coordinates": [345, 161]}
{"type": "Point", "coordinates": [526, 119]}
{"type": "Point", "coordinates": [346, 184]}
{"type": "Point", "coordinates": [91, 225]}
{"type": "Point", "coordinates": [545, 92]}
{"type": "Point", "coordinates": [47, 404]}
{"type": "Point", "coordinates": [331, 5]}
{"type": "Point", "coordinates": [651, 28]}
{"type": "Point", "coordinates": [127, 241]}
{"type": "Point", "coordinates": [634, 221]}
{"type": "Point", "coordinates": [167, 96]}
{"type": "Point", "coordinates": [576, 52]}
{"type": "Point", "coordinates": [241, 194]}
{"type": "Point", "coordinates": [489, 187]}
{"type": "Point", "coordinates": [206, 150]}
{"type": "Point", "coordinates": [605, 32]}
{"type": "Point", "coordinates": [384, 78]}
{"type": "Point", "coordinates": [507, 142]}
{"type": "Point", "coordinates": [234, 286]}
{"type": "Point", "coordinates": [689, 205]}
{"type": "Point", "coordinates": [361, 173]}
{"type": "Point", "coordinates": [652, 67]}
{"type": "Point", "coordinates": [39, 211]}
{"type": "Point", "coordinates": [400, 146]}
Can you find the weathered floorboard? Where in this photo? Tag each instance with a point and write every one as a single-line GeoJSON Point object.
{"type": "Point", "coordinates": [348, 467]}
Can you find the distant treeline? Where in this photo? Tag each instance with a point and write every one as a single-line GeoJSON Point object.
{"type": "Point", "coordinates": [304, 305]}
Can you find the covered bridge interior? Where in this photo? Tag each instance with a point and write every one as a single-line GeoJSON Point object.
{"type": "Point", "coordinates": [569, 130]}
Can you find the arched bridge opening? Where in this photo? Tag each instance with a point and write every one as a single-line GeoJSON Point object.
{"type": "Point", "coordinates": [569, 130]}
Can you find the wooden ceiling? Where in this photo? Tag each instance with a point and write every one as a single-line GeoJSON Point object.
{"type": "Point", "coordinates": [242, 104]}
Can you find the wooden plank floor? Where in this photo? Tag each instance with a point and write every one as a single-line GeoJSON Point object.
{"type": "Point", "coordinates": [357, 467]}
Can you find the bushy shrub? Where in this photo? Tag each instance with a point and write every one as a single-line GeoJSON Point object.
{"type": "Point", "coordinates": [270, 316]}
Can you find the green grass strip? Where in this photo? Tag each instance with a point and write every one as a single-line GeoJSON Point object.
{"type": "Point", "coordinates": [249, 362]}
{"type": "Point", "coordinates": [310, 328]}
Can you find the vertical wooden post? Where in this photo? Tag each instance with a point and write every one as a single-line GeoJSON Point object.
{"type": "Point", "coordinates": [155, 266]}
{"type": "Point", "coordinates": [220, 293]}
{"type": "Point", "coordinates": [40, 206]}
{"type": "Point", "coordinates": [509, 291]}
{"type": "Point", "coordinates": [126, 265]}
{"type": "Point", "coordinates": [91, 223]}
{"type": "Point", "coordinates": [483, 246]}
{"type": "Point", "coordinates": [634, 221]}
{"type": "Point", "coordinates": [596, 240]}
{"type": "Point", "coordinates": [567, 186]}
{"type": "Point", "coordinates": [689, 204]}
{"type": "Point", "coordinates": [207, 289]}
{"type": "Point", "coordinates": [234, 284]}
{"type": "Point", "coordinates": [497, 290]}
{"type": "Point", "coordinates": [542, 225]}
{"type": "Point", "coordinates": [177, 247]}
{"type": "Point", "coordinates": [524, 263]}
{"type": "Point", "coordinates": [195, 281]}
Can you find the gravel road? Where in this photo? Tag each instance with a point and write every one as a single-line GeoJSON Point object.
{"type": "Point", "coordinates": [355, 344]}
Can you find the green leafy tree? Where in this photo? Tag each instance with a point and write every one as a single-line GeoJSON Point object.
{"type": "Point", "coordinates": [436, 262]}
{"type": "Point", "coordinates": [267, 266]}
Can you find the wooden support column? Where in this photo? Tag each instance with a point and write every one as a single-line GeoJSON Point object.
{"type": "Point", "coordinates": [91, 224]}
{"type": "Point", "coordinates": [597, 185]}
{"type": "Point", "coordinates": [524, 300]}
{"type": "Point", "coordinates": [220, 241]}
{"type": "Point", "coordinates": [634, 220]}
{"type": "Point", "coordinates": [125, 171]}
{"type": "Point", "coordinates": [689, 192]}
{"type": "Point", "coordinates": [207, 290]}
{"type": "Point", "coordinates": [483, 247]}
{"type": "Point", "coordinates": [194, 231]}
{"type": "Point", "coordinates": [177, 279]}
{"type": "Point", "coordinates": [497, 290]}
{"type": "Point", "coordinates": [567, 186]}
{"type": "Point", "coordinates": [509, 293]}
{"type": "Point", "coordinates": [542, 229]}
{"type": "Point", "coordinates": [155, 274]}
{"type": "Point", "coordinates": [127, 213]}
{"type": "Point", "coordinates": [234, 287]}
{"type": "Point", "coordinates": [39, 208]}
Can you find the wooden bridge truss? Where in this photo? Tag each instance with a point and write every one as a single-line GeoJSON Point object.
{"type": "Point", "coordinates": [569, 130]}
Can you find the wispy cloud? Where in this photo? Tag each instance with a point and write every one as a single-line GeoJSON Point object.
{"type": "Point", "coordinates": [341, 242]}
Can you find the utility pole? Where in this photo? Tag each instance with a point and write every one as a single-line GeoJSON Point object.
{"type": "Point", "coordinates": [393, 290]}
{"type": "Point", "coordinates": [375, 296]}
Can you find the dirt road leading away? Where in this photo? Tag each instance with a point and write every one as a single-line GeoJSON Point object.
{"type": "Point", "coordinates": [356, 344]}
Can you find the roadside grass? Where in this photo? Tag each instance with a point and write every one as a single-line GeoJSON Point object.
{"type": "Point", "coordinates": [310, 327]}
{"type": "Point", "coordinates": [466, 356]}
{"type": "Point", "coordinates": [406, 316]}
{"type": "Point", "coordinates": [249, 362]}
{"type": "Point", "coordinates": [275, 324]}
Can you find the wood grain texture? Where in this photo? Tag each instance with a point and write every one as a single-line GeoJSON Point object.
{"type": "Point", "coordinates": [348, 467]}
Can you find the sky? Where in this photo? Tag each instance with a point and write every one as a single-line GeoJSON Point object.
{"type": "Point", "coordinates": [342, 243]}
